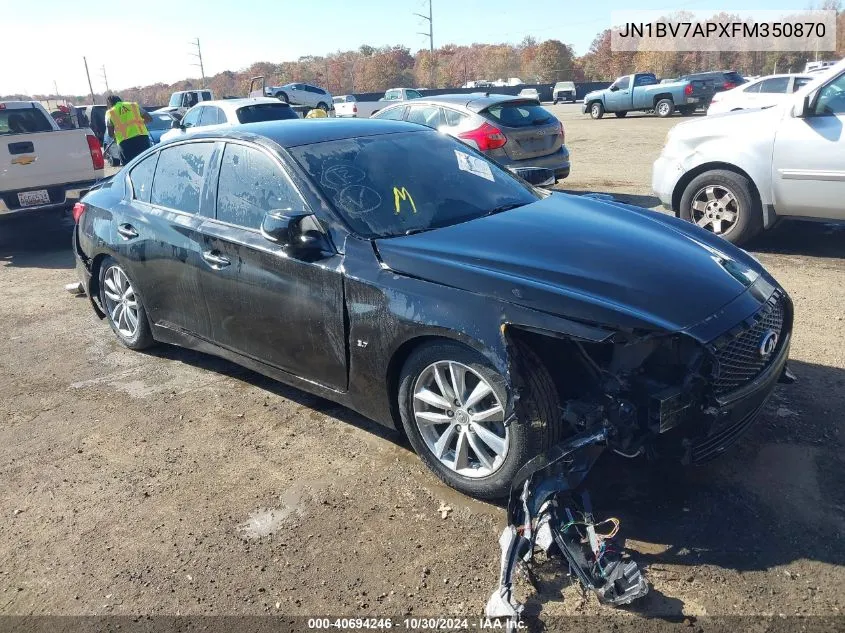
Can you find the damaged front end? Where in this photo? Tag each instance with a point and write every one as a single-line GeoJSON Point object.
{"type": "Point", "coordinates": [665, 396]}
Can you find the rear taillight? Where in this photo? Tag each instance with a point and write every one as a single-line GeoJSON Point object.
{"type": "Point", "coordinates": [485, 137]}
{"type": "Point", "coordinates": [96, 151]}
{"type": "Point", "coordinates": [78, 210]}
{"type": "Point", "coordinates": [562, 133]}
{"type": "Point", "coordinates": [354, 109]}
{"type": "Point", "coordinates": [728, 85]}
{"type": "Point", "coordinates": [688, 89]}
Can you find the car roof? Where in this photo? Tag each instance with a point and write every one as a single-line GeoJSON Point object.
{"type": "Point", "coordinates": [473, 101]}
{"type": "Point", "coordinates": [230, 105]}
{"type": "Point", "coordinates": [292, 133]}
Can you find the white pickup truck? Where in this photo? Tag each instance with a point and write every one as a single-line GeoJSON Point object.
{"type": "Point", "coordinates": [351, 107]}
{"type": "Point", "coordinates": [42, 166]}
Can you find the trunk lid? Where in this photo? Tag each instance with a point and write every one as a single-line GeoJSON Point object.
{"type": "Point", "coordinates": [531, 130]}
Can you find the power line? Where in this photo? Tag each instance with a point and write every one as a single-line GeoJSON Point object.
{"type": "Point", "coordinates": [198, 55]}
{"type": "Point", "coordinates": [430, 35]}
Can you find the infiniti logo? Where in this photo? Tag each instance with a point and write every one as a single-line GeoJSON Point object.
{"type": "Point", "coordinates": [768, 343]}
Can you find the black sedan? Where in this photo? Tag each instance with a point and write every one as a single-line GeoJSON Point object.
{"type": "Point", "coordinates": [397, 271]}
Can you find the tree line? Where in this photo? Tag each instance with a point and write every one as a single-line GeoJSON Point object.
{"type": "Point", "coordinates": [370, 69]}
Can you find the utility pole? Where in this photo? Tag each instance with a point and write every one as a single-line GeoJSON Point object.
{"type": "Point", "coordinates": [56, 86]}
{"type": "Point", "coordinates": [430, 36]}
{"type": "Point", "coordinates": [198, 55]}
{"type": "Point", "coordinates": [90, 87]}
{"type": "Point", "coordinates": [105, 78]}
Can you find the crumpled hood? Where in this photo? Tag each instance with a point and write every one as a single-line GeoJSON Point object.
{"type": "Point", "coordinates": [584, 259]}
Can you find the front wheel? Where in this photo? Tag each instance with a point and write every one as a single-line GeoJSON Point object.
{"type": "Point", "coordinates": [723, 202]}
{"type": "Point", "coordinates": [597, 110]}
{"type": "Point", "coordinates": [664, 108]}
{"type": "Point", "coordinates": [454, 409]}
{"type": "Point", "coordinates": [554, 102]}
{"type": "Point", "coordinates": [124, 307]}
{"type": "Point", "coordinates": [282, 96]}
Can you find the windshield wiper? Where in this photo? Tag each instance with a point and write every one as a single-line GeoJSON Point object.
{"type": "Point", "coordinates": [504, 207]}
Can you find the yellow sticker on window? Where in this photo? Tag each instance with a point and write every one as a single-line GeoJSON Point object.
{"type": "Point", "coordinates": [402, 195]}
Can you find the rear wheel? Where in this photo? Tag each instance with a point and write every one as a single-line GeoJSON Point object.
{"type": "Point", "coordinates": [664, 108]}
{"type": "Point", "coordinates": [621, 115]}
{"type": "Point", "coordinates": [723, 202]}
{"type": "Point", "coordinates": [454, 409]}
{"type": "Point", "coordinates": [322, 106]}
{"type": "Point", "coordinates": [597, 110]}
{"type": "Point", "coordinates": [124, 307]}
{"type": "Point", "coordinates": [282, 96]}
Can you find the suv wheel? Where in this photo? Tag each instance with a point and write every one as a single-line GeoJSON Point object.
{"type": "Point", "coordinates": [597, 110]}
{"type": "Point", "coordinates": [723, 202]}
{"type": "Point", "coordinates": [322, 106]}
{"type": "Point", "coordinates": [454, 410]}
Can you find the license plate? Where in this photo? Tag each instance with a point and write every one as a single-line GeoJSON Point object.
{"type": "Point", "coordinates": [32, 198]}
{"type": "Point", "coordinates": [692, 99]}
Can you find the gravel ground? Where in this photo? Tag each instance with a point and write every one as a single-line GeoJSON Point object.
{"type": "Point", "coordinates": [175, 483]}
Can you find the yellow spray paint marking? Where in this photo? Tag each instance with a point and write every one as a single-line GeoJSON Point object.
{"type": "Point", "coordinates": [400, 195]}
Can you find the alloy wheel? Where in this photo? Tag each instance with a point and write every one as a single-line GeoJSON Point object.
{"type": "Point", "coordinates": [716, 208]}
{"type": "Point", "coordinates": [461, 419]}
{"type": "Point", "coordinates": [121, 302]}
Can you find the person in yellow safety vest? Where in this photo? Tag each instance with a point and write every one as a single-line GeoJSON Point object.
{"type": "Point", "coordinates": [316, 113]}
{"type": "Point", "coordinates": [126, 123]}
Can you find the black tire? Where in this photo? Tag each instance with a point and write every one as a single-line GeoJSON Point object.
{"type": "Point", "coordinates": [322, 106]}
{"type": "Point", "coordinates": [749, 222]}
{"type": "Point", "coordinates": [621, 115]}
{"type": "Point", "coordinates": [114, 162]}
{"type": "Point", "coordinates": [143, 337]}
{"type": "Point", "coordinates": [686, 110]}
{"type": "Point", "coordinates": [554, 102]}
{"type": "Point", "coordinates": [535, 431]}
{"type": "Point", "coordinates": [596, 110]}
{"type": "Point", "coordinates": [664, 108]}
{"type": "Point", "coordinates": [283, 96]}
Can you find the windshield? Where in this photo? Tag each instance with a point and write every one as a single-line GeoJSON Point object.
{"type": "Point", "coordinates": [432, 181]}
{"type": "Point", "coordinates": [266, 112]}
{"type": "Point", "coordinates": [160, 122]}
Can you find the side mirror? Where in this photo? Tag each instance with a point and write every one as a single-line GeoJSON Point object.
{"type": "Point", "coordinates": [613, 87]}
{"type": "Point", "coordinates": [285, 227]}
{"type": "Point", "coordinates": [176, 125]}
{"type": "Point", "coordinates": [537, 176]}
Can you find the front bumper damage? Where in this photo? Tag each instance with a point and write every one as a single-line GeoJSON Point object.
{"type": "Point", "coordinates": [545, 512]}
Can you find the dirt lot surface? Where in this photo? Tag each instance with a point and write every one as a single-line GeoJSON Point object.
{"type": "Point", "coordinates": [175, 483]}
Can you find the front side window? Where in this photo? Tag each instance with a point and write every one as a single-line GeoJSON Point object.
{"type": "Point", "coordinates": [831, 99]}
{"type": "Point", "coordinates": [433, 181]}
{"type": "Point", "coordinates": [250, 185]}
{"type": "Point", "coordinates": [192, 117]}
{"type": "Point", "coordinates": [141, 178]}
{"type": "Point", "coordinates": [623, 83]}
{"type": "Point", "coordinates": [211, 116]}
{"type": "Point", "coordinates": [776, 85]}
{"type": "Point", "coordinates": [179, 176]}
{"type": "Point", "coordinates": [413, 94]}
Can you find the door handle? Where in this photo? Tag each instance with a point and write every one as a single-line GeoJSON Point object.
{"type": "Point", "coordinates": [215, 260]}
{"type": "Point", "coordinates": [127, 231]}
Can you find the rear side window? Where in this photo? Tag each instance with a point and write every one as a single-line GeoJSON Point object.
{"type": "Point", "coordinates": [23, 121]}
{"type": "Point", "coordinates": [645, 80]}
{"type": "Point", "coordinates": [736, 78]}
{"type": "Point", "coordinates": [141, 178]}
{"type": "Point", "coordinates": [775, 85]}
{"type": "Point", "coordinates": [179, 176]}
{"type": "Point", "coordinates": [211, 115]}
{"type": "Point", "coordinates": [800, 82]}
{"type": "Point", "coordinates": [250, 185]}
{"type": "Point", "coordinates": [413, 94]}
{"type": "Point", "coordinates": [206, 95]}
{"type": "Point", "coordinates": [393, 114]}
{"type": "Point", "coordinates": [519, 114]}
{"type": "Point", "coordinates": [426, 115]}
{"type": "Point", "coordinates": [266, 112]}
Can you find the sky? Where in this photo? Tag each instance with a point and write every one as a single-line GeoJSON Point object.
{"type": "Point", "coordinates": [153, 43]}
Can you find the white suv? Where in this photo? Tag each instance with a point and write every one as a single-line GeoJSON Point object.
{"type": "Point", "coordinates": [737, 174]}
{"type": "Point", "coordinates": [302, 94]}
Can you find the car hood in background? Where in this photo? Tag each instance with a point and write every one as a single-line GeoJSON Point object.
{"type": "Point", "coordinates": [584, 259]}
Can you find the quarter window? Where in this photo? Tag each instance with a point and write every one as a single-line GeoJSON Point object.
{"type": "Point", "coordinates": [453, 118]}
{"type": "Point", "coordinates": [179, 176]}
{"type": "Point", "coordinates": [393, 114]}
{"type": "Point", "coordinates": [141, 178]}
{"type": "Point", "coordinates": [251, 184]}
{"type": "Point", "coordinates": [192, 117]}
{"type": "Point", "coordinates": [777, 85]}
{"type": "Point", "coordinates": [426, 115]}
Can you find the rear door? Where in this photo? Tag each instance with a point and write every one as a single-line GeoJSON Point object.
{"type": "Point", "coordinates": [771, 91]}
{"type": "Point", "coordinates": [157, 233]}
{"type": "Point", "coordinates": [266, 303]}
{"type": "Point", "coordinates": [530, 129]}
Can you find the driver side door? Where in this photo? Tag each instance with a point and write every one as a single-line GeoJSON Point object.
{"type": "Point", "coordinates": [808, 163]}
{"type": "Point", "coordinates": [619, 99]}
{"type": "Point", "coordinates": [266, 302]}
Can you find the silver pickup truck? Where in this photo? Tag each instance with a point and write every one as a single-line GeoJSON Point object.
{"type": "Point", "coordinates": [739, 173]}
